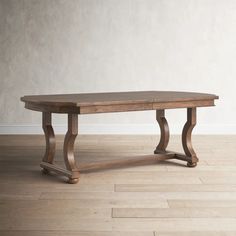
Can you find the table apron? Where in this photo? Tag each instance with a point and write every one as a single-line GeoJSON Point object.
{"type": "Point", "coordinates": [144, 106]}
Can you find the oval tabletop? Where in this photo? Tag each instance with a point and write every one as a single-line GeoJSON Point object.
{"type": "Point", "coordinates": [116, 101]}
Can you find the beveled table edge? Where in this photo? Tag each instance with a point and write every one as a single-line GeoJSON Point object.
{"type": "Point", "coordinates": [26, 99]}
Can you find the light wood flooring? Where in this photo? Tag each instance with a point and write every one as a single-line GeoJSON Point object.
{"type": "Point", "coordinates": [156, 199]}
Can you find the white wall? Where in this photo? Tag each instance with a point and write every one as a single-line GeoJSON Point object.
{"type": "Point", "coordinates": [73, 46]}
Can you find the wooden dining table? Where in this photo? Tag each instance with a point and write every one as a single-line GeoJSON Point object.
{"type": "Point", "coordinates": [93, 103]}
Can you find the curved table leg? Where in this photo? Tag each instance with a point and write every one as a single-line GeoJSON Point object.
{"type": "Point", "coordinates": [186, 137]}
{"type": "Point", "coordinates": [50, 139]}
{"type": "Point", "coordinates": [164, 128]}
{"type": "Point", "coordinates": [68, 148]}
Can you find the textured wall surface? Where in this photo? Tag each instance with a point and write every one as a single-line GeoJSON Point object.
{"type": "Point", "coordinates": [72, 46]}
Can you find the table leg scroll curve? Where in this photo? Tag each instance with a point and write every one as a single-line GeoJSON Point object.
{"type": "Point", "coordinates": [164, 131]}
{"type": "Point", "coordinates": [68, 147]}
{"type": "Point", "coordinates": [50, 139]}
{"type": "Point", "coordinates": [186, 137]}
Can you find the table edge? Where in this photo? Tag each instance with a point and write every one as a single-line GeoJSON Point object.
{"type": "Point", "coordinates": [124, 107]}
{"type": "Point", "coordinates": [107, 103]}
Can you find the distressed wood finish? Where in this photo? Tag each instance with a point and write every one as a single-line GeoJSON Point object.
{"type": "Point", "coordinates": [74, 104]}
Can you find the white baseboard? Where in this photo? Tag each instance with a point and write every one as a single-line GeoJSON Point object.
{"type": "Point", "coordinates": [119, 129]}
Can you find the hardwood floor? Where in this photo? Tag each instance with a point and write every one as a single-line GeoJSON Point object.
{"type": "Point", "coordinates": [163, 199]}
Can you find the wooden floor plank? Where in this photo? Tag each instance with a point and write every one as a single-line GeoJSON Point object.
{"type": "Point", "coordinates": [105, 203]}
{"type": "Point", "coordinates": [135, 178]}
{"type": "Point", "coordinates": [142, 195]}
{"type": "Point", "coordinates": [209, 212]}
{"type": "Point", "coordinates": [31, 188]}
{"type": "Point", "coordinates": [218, 180]}
{"type": "Point", "coordinates": [175, 188]}
{"type": "Point", "coordinates": [51, 209]}
{"type": "Point", "coordinates": [73, 233]}
{"type": "Point", "coordinates": [198, 233]}
{"type": "Point", "coordinates": [202, 203]}
{"type": "Point", "coordinates": [174, 224]}
{"type": "Point", "coordinates": [56, 223]}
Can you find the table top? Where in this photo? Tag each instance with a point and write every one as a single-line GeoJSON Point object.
{"type": "Point", "coordinates": [74, 101]}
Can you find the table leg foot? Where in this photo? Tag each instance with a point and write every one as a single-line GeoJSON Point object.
{"type": "Point", "coordinates": [45, 171]}
{"type": "Point", "coordinates": [191, 164]}
{"type": "Point", "coordinates": [73, 181]}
